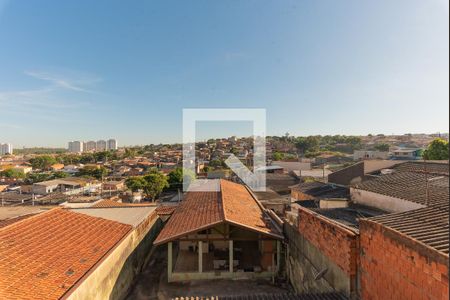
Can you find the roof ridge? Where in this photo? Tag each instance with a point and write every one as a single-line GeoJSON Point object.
{"type": "Point", "coordinates": [35, 215]}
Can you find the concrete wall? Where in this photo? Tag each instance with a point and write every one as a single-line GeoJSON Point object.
{"type": "Point", "coordinates": [347, 175]}
{"type": "Point", "coordinates": [382, 202]}
{"type": "Point", "coordinates": [315, 244]}
{"type": "Point", "coordinates": [289, 166]}
{"type": "Point", "coordinates": [396, 267]}
{"type": "Point", "coordinates": [114, 275]}
{"type": "Point", "coordinates": [304, 261]}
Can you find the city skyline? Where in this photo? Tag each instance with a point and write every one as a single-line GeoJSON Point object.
{"type": "Point", "coordinates": [65, 80]}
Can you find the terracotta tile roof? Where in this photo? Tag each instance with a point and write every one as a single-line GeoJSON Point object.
{"type": "Point", "coordinates": [240, 208]}
{"type": "Point", "coordinates": [108, 203]}
{"type": "Point", "coordinates": [233, 204]}
{"type": "Point", "coordinates": [165, 210]}
{"type": "Point", "coordinates": [43, 256]}
{"type": "Point", "coordinates": [13, 220]}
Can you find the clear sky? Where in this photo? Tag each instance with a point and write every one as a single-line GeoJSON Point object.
{"type": "Point", "coordinates": [81, 70]}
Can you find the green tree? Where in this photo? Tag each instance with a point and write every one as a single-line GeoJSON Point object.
{"type": "Point", "coordinates": [277, 156]}
{"type": "Point", "coordinates": [215, 163]}
{"type": "Point", "coordinates": [37, 177]}
{"type": "Point", "coordinates": [11, 173]}
{"type": "Point", "coordinates": [135, 183]}
{"type": "Point", "coordinates": [437, 150]}
{"type": "Point", "coordinates": [180, 176]}
{"type": "Point", "coordinates": [155, 184]}
{"type": "Point", "coordinates": [93, 171]}
{"type": "Point", "coordinates": [43, 162]}
{"type": "Point", "coordinates": [60, 174]}
{"type": "Point", "coordinates": [308, 144]}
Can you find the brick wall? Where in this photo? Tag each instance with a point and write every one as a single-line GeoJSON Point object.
{"type": "Point", "coordinates": [296, 194]}
{"type": "Point", "coordinates": [335, 241]}
{"type": "Point", "coordinates": [392, 266]}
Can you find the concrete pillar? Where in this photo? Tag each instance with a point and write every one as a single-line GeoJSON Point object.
{"type": "Point", "coordinates": [200, 256]}
{"type": "Point", "coordinates": [278, 256]}
{"type": "Point", "coordinates": [230, 251]}
{"type": "Point", "coordinates": [169, 261]}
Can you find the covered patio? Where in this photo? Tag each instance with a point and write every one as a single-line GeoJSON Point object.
{"type": "Point", "coordinates": [224, 235]}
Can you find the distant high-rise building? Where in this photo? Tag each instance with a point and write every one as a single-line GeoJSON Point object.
{"type": "Point", "coordinates": [6, 149]}
{"type": "Point", "coordinates": [76, 146]}
{"type": "Point", "coordinates": [90, 146]}
{"type": "Point", "coordinates": [112, 144]}
{"type": "Point", "coordinates": [101, 145]}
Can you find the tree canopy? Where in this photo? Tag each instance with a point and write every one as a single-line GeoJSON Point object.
{"type": "Point", "coordinates": [43, 162]}
{"type": "Point", "coordinates": [180, 176]}
{"type": "Point", "coordinates": [151, 184]}
{"type": "Point", "coordinates": [437, 150]}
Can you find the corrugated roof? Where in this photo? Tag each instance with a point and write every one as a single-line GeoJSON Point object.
{"type": "Point", "coordinates": [410, 186]}
{"type": "Point", "coordinates": [199, 210]}
{"type": "Point", "coordinates": [43, 256]}
{"type": "Point", "coordinates": [429, 225]}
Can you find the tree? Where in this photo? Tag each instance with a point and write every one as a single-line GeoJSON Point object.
{"type": "Point", "coordinates": [181, 176]}
{"type": "Point", "coordinates": [37, 177]}
{"type": "Point", "coordinates": [382, 147]}
{"type": "Point", "coordinates": [155, 184]}
{"type": "Point", "coordinates": [60, 174]}
{"type": "Point", "coordinates": [215, 163]}
{"type": "Point", "coordinates": [11, 173]}
{"type": "Point", "coordinates": [308, 144]}
{"type": "Point", "coordinates": [93, 171]}
{"type": "Point", "coordinates": [135, 183]}
{"type": "Point", "coordinates": [437, 150]}
{"type": "Point", "coordinates": [277, 156]}
{"type": "Point", "coordinates": [43, 162]}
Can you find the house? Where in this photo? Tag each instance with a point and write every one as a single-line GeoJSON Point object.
{"type": "Point", "coordinates": [406, 154]}
{"type": "Point", "coordinates": [57, 167]}
{"type": "Point", "coordinates": [223, 234]}
{"type": "Point", "coordinates": [370, 154]}
{"type": "Point", "coordinates": [114, 185]}
{"type": "Point", "coordinates": [65, 185]}
{"type": "Point", "coordinates": [388, 240]}
{"type": "Point", "coordinates": [23, 169]}
{"type": "Point", "coordinates": [84, 253]}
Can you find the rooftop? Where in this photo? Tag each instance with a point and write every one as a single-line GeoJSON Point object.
{"type": "Point", "coordinates": [410, 186]}
{"type": "Point", "coordinates": [320, 190]}
{"type": "Point", "coordinates": [234, 204]}
{"type": "Point", "coordinates": [52, 261]}
{"type": "Point", "coordinates": [429, 226]}
{"type": "Point", "coordinates": [130, 215]}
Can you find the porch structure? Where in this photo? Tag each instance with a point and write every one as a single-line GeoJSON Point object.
{"type": "Point", "coordinates": [225, 234]}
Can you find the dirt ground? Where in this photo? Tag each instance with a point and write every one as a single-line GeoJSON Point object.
{"type": "Point", "coordinates": [152, 284]}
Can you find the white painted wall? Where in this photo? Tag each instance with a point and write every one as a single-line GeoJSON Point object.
{"type": "Point", "coordinates": [387, 203]}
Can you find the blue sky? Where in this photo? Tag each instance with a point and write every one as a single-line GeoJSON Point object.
{"type": "Point", "coordinates": [98, 69]}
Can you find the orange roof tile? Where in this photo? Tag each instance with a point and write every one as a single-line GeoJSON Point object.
{"type": "Point", "coordinates": [165, 210]}
{"type": "Point", "coordinates": [107, 203]}
{"type": "Point", "coordinates": [234, 204]}
{"type": "Point", "coordinates": [43, 256]}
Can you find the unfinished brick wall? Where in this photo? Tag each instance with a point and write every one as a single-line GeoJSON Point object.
{"type": "Point", "coordinates": [298, 195]}
{"type": "Point", "coordinates": [392, 266]}
{"type": "Point", "coordinates": [333, 240]}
